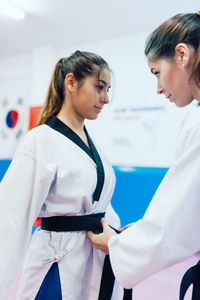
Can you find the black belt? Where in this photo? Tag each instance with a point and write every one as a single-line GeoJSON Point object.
{"type": "Point", "coordinates": [72, 223]}
{"type": "Point", "coordinates": [87, 222]}
{"type": "Point", "coordinates": [192, 276]}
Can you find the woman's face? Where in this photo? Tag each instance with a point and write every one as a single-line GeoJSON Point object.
{"type": "Point", "coordinates": [172, 80]}
{"type": "Point", "coordinates": [90, 97]}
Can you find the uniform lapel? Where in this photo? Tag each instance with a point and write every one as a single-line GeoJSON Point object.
{"type": "Point", "coordinates": [61, 127]}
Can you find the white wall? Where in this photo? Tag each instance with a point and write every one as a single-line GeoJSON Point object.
{"type": "Point", "coordinates": [137, 128]}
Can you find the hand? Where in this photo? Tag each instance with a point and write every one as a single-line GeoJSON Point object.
{"type": "Point", "coordinates": [125, 227]}
{"type": "Point", "coordinates": [100, 241]}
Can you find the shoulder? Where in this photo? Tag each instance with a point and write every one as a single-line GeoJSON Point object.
{"type": "Point", "coordinates": [32, 138]}
{"type": "Point", "coordinates": [39, 145]}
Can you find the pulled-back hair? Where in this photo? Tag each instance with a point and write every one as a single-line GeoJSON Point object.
{"type": "Point", "coordinates": [81, 64]}
{"type": "Point", "coordinates": [181, 28]}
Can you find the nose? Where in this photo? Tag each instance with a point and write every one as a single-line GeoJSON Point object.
{"type": "Point", "coordinates": [105, 98]}
{"type": "Point", "coordinates": [160, 89]}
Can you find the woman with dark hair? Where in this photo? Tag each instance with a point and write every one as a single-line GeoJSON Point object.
{"type": "Point", "coordinates": [170, 229]}
{"type": "Point", "coordinates": [59, 174]}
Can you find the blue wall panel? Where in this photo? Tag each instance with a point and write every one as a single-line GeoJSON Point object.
{"type": "Point", "coordinates": [134, 190]}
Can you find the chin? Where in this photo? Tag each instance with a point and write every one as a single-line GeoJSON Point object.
{"type": "Point", "coordinates": [180, 104]}
{"type": "Point", "coordinates": [92, 117]}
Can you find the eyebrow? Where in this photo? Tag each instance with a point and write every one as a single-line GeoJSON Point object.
{"type": "Point", "coordinates": [104, 82]}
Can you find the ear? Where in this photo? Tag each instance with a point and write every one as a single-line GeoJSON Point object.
{"type": "Point", "coordinates": [70, 82]}
{"type": "Point", "coordinates": [183, 54]}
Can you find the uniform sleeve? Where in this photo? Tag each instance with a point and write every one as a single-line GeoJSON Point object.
{"type": "Point", "coordinates": [170, 229]}
{"type": "Point", "coordinates": [23, 190]}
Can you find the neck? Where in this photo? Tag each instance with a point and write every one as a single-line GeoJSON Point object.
{"type": "Point", "coordinates": [196, 93]}
{"type": "Point", "coordinates": [75, 122]}
{"type": "Point", "coordinates": [67, 116]}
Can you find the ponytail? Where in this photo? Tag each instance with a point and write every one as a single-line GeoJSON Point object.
{"type": "Point", "coordinates": [196, 68]}
{"type": "Point", "coordinates": [54, 99]}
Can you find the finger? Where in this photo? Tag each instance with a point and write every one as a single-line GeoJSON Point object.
{"type": "Point", "coordinates": [123, 228]}
{"type": "Point", "coordinates": [91, 235]}
{"type": "Point", "coordinates": [126, 227]}
{"type": "Point", "coordinates": [104, 223]}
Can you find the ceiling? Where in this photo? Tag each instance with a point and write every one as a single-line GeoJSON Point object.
{"type": "Point", "coordinates": [61, 23]}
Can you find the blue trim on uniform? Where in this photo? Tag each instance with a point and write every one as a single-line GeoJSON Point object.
{"type": "Point", "coordinates": [34, 229]}
{"type": "Point", "coordinates": [4, 164]}
{"type": "Point", "coordinates": [50, 288]}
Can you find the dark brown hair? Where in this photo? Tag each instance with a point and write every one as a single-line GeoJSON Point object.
{"type": "Point", "coordinates": [81, 64]}
{"type": "Point", "coordinates": [181, 28]}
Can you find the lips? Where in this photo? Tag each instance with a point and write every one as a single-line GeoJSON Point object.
{"type": "Point", "coordinates": [170, 98]}
{"type": "Point", "coordinates": [99, 108]}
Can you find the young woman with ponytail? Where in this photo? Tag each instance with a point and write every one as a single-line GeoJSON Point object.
{"type": "Point", "coordinates": [60, 174]}
{"type": "Point", "coordinates": [169, 232]}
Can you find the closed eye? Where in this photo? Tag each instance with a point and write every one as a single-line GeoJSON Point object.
{"type": "Point", "coordinates": [155, 73]}
{"type": "Point", "coordinates": [104, 85]}
{"type": "Point", "coordinates": [100, 87]}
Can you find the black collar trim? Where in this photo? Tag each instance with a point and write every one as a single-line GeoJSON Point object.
{"type": "Point", "coordinates": [61, 127]}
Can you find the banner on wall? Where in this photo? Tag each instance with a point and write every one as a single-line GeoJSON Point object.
{"type": "Point", "coordinates": [139, 132]}
{"type": "Point", "coordinates": [13, 125]}
{"type": "Point", "coordinates": [138, 135]}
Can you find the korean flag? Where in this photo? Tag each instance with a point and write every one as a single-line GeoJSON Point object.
{"type": "Point", "coordinates": [14, 115]}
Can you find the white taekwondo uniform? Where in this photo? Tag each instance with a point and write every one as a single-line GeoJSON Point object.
{"type": "Point", "coordinates": [51, 175]}
{"type": "Point", "coordinates": [169, 232]}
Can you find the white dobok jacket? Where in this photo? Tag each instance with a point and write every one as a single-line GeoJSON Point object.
{"type": "Point", "coordinates": [51, 175]}
{"type": "Point", "coordinates": [170, 229]}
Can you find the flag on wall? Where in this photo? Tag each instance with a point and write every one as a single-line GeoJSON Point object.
{"type": "Point", "coordinates": [13, 125]}
{"type": "Point", "coordinates": [33, 116]}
